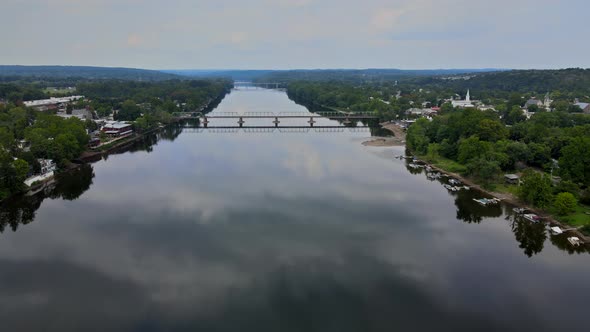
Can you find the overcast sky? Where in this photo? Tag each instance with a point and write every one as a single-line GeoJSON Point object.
{"type": "Point", "coordinates": [286, 34]}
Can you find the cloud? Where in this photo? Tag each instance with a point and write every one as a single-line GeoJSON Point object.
{"type": "Point", "coordinates": [296, 33]}
{"type": "Point", "coordinates": [134, 40]}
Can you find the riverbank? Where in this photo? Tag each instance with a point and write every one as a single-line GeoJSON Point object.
{"type": "Point", "coordinates": [514, 201]}
{"type": "Point", "coordinates": [95, 155]}
{"type": "Point", "coordinates": [399, 138]}
{"type": "Point", "coordinates": [511, 200]}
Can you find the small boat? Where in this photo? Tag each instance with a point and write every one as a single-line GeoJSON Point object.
{"type": "Point", "coordinates": [556, 230]}
{"type": "Point", "coordinates": [487, 201]}
{"type": "Point", "coordinates": [532, 217]}
{"type": "Point", "coordinates": [454, 182]}
{"type": "Point", "coordinates": [519, 210]}
{"type": "Point", "coordinates": [466, 187]}
{"type": "Point", "coordinates": [482, 201]}
{"type": "Point", "coordinates": [574, 241]}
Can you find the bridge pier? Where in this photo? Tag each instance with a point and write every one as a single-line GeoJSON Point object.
{"type": "Point", "coordinates": [205, 122]}
{"type": "Point", "coordinates": [276, 121]}
{"type": "Point", "coordinates": [241, 122]}
{"type": "Point", "coordinates": [311, 121]}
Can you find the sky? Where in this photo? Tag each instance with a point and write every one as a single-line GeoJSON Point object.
{"type": "Point", "coordinates": [289, 34]}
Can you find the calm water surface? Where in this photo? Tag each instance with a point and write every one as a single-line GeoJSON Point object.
{"type": "Point", "coordinates": [197, 230]}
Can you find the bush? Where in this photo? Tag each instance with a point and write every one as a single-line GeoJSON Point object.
{"type": "Point", "coordinates": [565, 203]}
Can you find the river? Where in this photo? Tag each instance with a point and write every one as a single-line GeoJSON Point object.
{"type": "Point", "coordinates": [289, 230]}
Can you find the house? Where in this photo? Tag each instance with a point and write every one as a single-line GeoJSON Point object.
{"type": "Point", "coordinates": [94, 142]}
{"type": "Point", "coordinates": [47, 165]}
{"type": "Point", "coordinates": [117, 128]}
{"type": "Point", "coordinates": [424, 112]}
{"type": "Point", "coordinates": [48, 168]}
{"type": "Point", "coordinates": [512, 178]}
{"type": "Point", "coordinates": [533, 101]}
{"type": "Point", "coordinates": [585, 107]}
{"type": "Point", "coordinates": [24, 145]}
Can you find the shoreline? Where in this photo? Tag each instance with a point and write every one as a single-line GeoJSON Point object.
{"type": "Point", "coordinates": [398, 138]}
{"type": "Point", "coordinates": [509, 199]}
{"type": "Point", "coordinates": [506, 198]}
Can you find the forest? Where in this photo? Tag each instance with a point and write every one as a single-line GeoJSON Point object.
{"type": "Point", "coordinates": [81, 72]}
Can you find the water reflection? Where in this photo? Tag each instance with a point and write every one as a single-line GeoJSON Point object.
{"type": "Point", "coordinates": [530, 236]}
{"type": "Point", "coordinates": [21, 210]}
{"type": "Point", "coordinates": [258, 232]}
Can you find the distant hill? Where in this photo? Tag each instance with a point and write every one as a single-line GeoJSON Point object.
{"type": "Point", "coordinates": [85, 72]}
{"type": "Point", "coordinates": [361, 75]}
{"type": "Point", "coordinates": [321, 74]}
{"type": "Point", "coordinates": [575, 81]}
{"type": "Point", "coordinates": [236, 75]}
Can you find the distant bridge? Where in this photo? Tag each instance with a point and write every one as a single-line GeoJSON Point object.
{"type": "Point", "coordinates": [272, 129]}
{"type": "Point", "coordinates": [257, 85]}
{"type": "Point", "coordinates": [345, 118]}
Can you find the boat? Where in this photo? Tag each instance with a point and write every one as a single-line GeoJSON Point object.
{"type": "Point", "coordinates": [532, 217]}
{"type": "Point", "coordinates": [556, 230]}
{"type": "Point", "coordinates": [482, 201]}
{"type": "Point", "coordinates": [487, 201]}
{"type": "Point", "coordinates": [454, 181]}
{"type": "Point", "coordinates": [519, 210]}
{"type": "Point", "coordinates": [466, 187]}
{"type": "Point", "coordinates": [574, 241]}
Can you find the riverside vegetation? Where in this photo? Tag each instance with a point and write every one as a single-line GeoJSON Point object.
{"type": "Point", "coordinates": [483, 145]}
{"type": "Point", "coordinates": [49, 136]}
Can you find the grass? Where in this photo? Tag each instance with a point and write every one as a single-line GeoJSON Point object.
{"type": "Point", "coordinates": [447, 164]}
{"type": "Point", "coordinates": [51, 90]}
{"type": "Point", "coordinates": [507, 188]}
{"type": "Point", "coordinates": [580, 217]}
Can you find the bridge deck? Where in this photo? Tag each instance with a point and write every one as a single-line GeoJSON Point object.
{"type": "Point", "coordinates": [287, 116]}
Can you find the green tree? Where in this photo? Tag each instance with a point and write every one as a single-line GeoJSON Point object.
{"type": "Point", "coordinates": [565, 203]}
{"type": "Point", "coordinates": [491, 130]}
{"type": "Point", "coordinates": [472, 148]}
{"type": "Point", "coordinates": [416, 138]}
{"type": "Point", "coordinates": [574, 163]}
{"type": "Point", "coordinates": [536, 189]}
{"type": "Point", "coordinates": [21, 168]}
{"type": "Point", "coordinates": [484, 170]}
{"type": "Point", "coordinates": [129, 111]}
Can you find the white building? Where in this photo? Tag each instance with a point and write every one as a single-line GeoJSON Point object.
{"type": "Point", "coordinates": [463, 103]}
{"type": "Point", "coordinates": [48, 168]}
{"type": "Point", "coordinates": [51, 103]}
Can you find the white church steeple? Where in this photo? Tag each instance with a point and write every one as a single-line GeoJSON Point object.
{"type": "Point", "coordinates": [467, 97]}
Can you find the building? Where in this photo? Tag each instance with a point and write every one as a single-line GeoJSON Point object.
{"type": "Point", "coordinates": [47, 165]}
{"type": "Point", "coordinates": [424, 112]}
{"type": "Point", "coordinates": [463, 103]}
{"type": "Point", "coordinates": [117, 128]}
{"type": "Point", "coordinates": [547, 102]}
{"type": "Point", "coordinates": [82, 114]}
{"type": "Point", "coordinates": [511, 178]}
{"type": "Point", "coordinates": [585, 107]}
{"type": "Point", "coordinates": [533, 101]}
{"type": "Point", "coordinates": [48, 168]}
{"type": "Point", "coordinates": [51, 103]}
